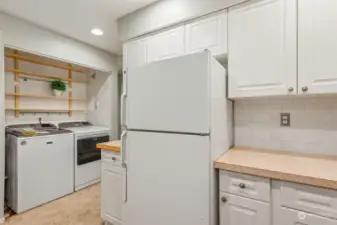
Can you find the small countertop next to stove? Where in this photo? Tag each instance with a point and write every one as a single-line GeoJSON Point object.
{"type": "Point", "coordinates": [110, 146]}
{"type": "Point", "coordinates": [315, 170]}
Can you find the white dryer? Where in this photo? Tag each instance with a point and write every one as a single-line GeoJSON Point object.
{"type": "Point", "coordinates": [87, 158]}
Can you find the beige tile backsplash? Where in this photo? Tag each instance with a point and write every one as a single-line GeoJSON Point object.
{"type": "Point", "coordinates": [313, 126]}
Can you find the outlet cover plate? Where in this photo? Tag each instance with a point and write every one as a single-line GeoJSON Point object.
{"type": "Point", "coordinates": [285, 119]}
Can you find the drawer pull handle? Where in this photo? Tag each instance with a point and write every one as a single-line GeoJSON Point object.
{"type": "Point", "coordinates": [242, 185]}
{"type": "Point", "coordinates": [224, 199]}
{"type": "Point", "coordinates": [113, 158]}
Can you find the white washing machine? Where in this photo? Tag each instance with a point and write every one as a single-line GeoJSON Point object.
{"type": "Point", "coordinates": [87, 159]}
{"type": "Point", "coordinates": [39, 168]}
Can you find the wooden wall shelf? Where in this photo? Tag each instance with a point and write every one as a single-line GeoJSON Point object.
{"type": "Point", "coordinates": [43, 110]}
{"type": "Point", "coordinates": [41, 62]}
{"type": "Point", "coordinates": [18, 73]}
{"type": "Point", "coordinates": [45, 96]}
{"type": "Point", "coordinates": [40, 75]}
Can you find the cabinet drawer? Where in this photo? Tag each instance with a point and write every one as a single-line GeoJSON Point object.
{"type": "Point", "coordinates": [245, 185]}
{"type": "Point", "coordinates": [315, 200]}
{"type": "Point", "coordinates": [111, 157]}
{"type": "Point", "coordinates": [294, 217]}
{"type": "Point", "coordinates": [112, 223]}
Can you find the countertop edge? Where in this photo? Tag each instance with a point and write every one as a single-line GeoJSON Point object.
{"type": "Point", "coordinates": [108, 146]}
{"type": "Point", "coordinates": [278, 175]}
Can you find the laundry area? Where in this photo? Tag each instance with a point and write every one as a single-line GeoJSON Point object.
{"type": "Point", "coordinates": [50, 143]}
{"type": "Point", "coordinates": [58, 104]}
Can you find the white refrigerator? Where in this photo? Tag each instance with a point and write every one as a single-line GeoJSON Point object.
{"type": "Point", "coordinates": [177, 121]}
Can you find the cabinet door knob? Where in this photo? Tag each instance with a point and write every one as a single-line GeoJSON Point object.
{"type": "Point", "coordinates": [242, 185]}
{"type": "Point", "coordinates": [304, 89]}
{"type": "Point", "coordinates": [224, 199]}
{"type": "Point", "coordinates": [291, 89]}
{"type": "Point", "coordinates": [113, 158]}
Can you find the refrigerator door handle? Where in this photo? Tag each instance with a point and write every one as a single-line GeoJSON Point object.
{"type": "Point", "coordinates": [123, 110]}
{"type": "Point", "coordinates": [123, 100]}
{"type": "Point", "coordinates": [125, 182]}
{"type": "Point", "coordinates": [124, 164]}
{"type": "Point", "coordinates": [123, 147]}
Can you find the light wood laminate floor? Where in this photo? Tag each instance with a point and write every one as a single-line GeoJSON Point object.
{"type": "Point", "coordinates": [80, 208]}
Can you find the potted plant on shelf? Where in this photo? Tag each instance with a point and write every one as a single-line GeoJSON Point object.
{"type": "Point", "coordinates": [58, 87]}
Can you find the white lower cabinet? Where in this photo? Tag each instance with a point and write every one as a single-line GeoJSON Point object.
{"type": "Point", "coordinates": [242, 202]}
{"type": "Point", "coordinates": [235, 210]}
{"type": "Point", "coordinates": [294, 217]}
{"type": "Point", "coordinates": [112, 192]}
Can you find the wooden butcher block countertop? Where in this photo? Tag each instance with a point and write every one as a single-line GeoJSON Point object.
{"type": "Point", "coordinates": [315, 170]}
{"type": "Point", "coordinates": [110, 146]}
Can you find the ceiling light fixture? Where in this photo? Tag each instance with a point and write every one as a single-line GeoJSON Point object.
{"type": "Point", "coordinates": [97, 32]}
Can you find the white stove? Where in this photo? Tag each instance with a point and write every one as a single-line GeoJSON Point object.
{"type": "Point", "coordinates": [87, 156]}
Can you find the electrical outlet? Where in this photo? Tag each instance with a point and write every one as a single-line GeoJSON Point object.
{"type": "Point", "coordinates": [285, 119]}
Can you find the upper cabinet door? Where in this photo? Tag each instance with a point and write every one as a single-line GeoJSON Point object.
{"type": "Point", "coordinates": [317, 46]}
{"type": "Point", "coordinates": [135, 53]}
{"type": "Point", "coordinates": [209, 33]}
{"type": "Point", "coordinates": [262, 48]}
{"type": "Point", "coordinates": [167, 44]}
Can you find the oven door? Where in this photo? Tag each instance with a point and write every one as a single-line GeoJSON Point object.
{"type": "Point", "coordinates": [86, 148]}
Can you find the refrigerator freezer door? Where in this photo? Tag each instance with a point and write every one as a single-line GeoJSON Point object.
{"type": "Point", "coordinates": [170, 95]}
{"type": "Point", "coordinates": [168, 179]}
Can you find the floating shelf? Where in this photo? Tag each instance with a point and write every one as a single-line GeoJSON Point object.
{"type": "Point", "coordinates": [45, 96]}
{"type": "Point", "coordinates": [41, 62]}
{"type": "Point", "coordinates": [40, 75]}
{"type": "Point", "coordinates": [44, 110]}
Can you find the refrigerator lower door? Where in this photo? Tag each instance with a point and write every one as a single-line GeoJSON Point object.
{"type": "Point", "coordinates": [168, 179]}
{"type": "Point", "coordinates": [170, 95]}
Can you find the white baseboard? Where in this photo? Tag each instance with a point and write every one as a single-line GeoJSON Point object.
{"type": "Point", "coordinates": [2, 220]}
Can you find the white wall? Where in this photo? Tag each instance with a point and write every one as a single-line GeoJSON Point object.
{"type": "Point", "coordinates": [166, 13]}
{"type": "Point", "coordinates": [313, 124]}
{"type": "Point", "coordinates": [40, 87]}
{"type": "Point", "coordinates": [2, 127]}
{"type": "Point", "coordinates": [31, 38]}
{"type": "Point", "coordinates": [103, 98]}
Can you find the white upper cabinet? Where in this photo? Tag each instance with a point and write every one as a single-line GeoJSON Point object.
{"type": "Point", "coordinates": [205, 33]}
{"type": "Point", "coordinates": [167, 44]}
{"type": "Point", "coordinates": [262, 48]}
{"type": "Point", "coordinates": [135, 53]}
{"type": "Point", "coordinates": [209, 33]}
{"type": "Point", "coordinates": [317, 46]}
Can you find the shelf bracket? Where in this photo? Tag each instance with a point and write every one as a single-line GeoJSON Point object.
{"type": "Point", "coordinates": [70, 101]}
{"type": "Point", "coordinates": [17, 85]}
